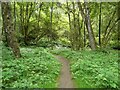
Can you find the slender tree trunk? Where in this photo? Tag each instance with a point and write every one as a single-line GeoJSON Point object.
{"type": "Point", "coordinates": [100, 25]}
{"type": "Point", "coordinates": [69, 17]}
{"type": "Point", "coordinates": [109, 34]}
{"type": "Point", "coordinates": [107, 30]}
{"type": "Point", "coordinates": [51, 17]}
{"type": "Point", "coordinates": [84, 35]}
{"type": "Point", "coordinates": [74, 32]}
{"type": "Point", "coordinates": [26, 25]}
{"type": "Point", "coordinates": [28, 13]}
{"type": "Point", "coordinates": [118, 13]}
{"type": "Point", "coordinates": [74, 20]}
{"type": "Point", "coordinates": [80, 25]}
{"type": "Point", "coordinates": [9, 28]}
{"type": "Point", "coordinates": [21, 19]}
{"type": "Point", "coordinates": [1, 30]}
{"type": "Point", "coordinates": [39, 16]}
{"type": "Point", "coordinates": [79, 34]}
{"type": "Point", "coordinates": [14, 15]}
{"type": "Point", "coordinates": [86, 17]}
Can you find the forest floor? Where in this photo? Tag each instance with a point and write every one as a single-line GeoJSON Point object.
{"type": "Point", "coordinates": [65, 80]}
{"type": "Point", "coordinates": [63, 68]}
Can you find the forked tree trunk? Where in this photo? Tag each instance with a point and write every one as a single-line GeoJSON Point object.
{"type": "Point", "coordinates": [8, 28]}
{"type": "Point", "coordinates": [86, 17]}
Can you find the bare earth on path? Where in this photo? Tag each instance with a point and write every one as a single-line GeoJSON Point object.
{"type": "Point", "coordinates": [65, 80]}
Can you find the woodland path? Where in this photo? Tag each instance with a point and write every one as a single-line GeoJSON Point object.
{"type": "Point", "coordinates": [65, 80]}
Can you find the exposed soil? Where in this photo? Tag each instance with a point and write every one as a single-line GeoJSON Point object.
{"type": "Point", "coordinates": [65, 80]}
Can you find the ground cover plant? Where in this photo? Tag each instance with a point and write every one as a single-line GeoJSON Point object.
{"type": "Point", "coordinates": [95, 69]}
{"type": "Point", "coordinates": [35, 69]}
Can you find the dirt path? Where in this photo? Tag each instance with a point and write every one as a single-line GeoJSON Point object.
{"type": "Point", "coordinates": [65, 75]}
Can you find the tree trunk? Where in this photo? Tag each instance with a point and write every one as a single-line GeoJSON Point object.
{"type": "Point", "coordinates": [84, 35]}
{"type": "Point", "coordinates": [21, 19]}
{"type": "Point", "coordinates": [74, 32]}
{"type": "Point", "coordinates": [4, 28]}
{"type": "Point", "coordinates": [80, 39]}
{"type": "Point", "coordinates": [14, 15]}
{"type": "Point", "coordinates": [9, 28]}
{"type": "Point", "coordinates": [39, 16]}
{"type": "Point", "coordinates": [118, 12]}
{"type": "Point", "coordinates": [51, 20]}
{"type": "Point", "coordinates": [26, 25]}
{"type": "Point", "coordinates": [107, 30]}
{"type": "Point", "coordinates": [100, 25]}
{"type": "Point", "coordinates": [51, 14]}
{"type": "Point", "coordinates": [86, 17]}
{"type": "Point", "coordinates": [109, 34]}
{"type": "Point", "coordinates": [69, 17]}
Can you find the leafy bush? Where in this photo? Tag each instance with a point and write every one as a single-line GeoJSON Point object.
{"type": "Point", "coordinates": [35, 69]}
{"type": "Point", "coordinates": [46, 44]}
{"type": "Point", "coordinates": [93, 68]}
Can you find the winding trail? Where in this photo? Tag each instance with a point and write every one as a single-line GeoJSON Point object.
{"type": "Point", "coordinates": [65, 80]}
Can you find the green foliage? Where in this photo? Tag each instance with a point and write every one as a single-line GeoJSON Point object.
{"type": "Point", "coordinates": [46, 44]}
{"type": "Point", "coordinates": [33, 20]}
{"type": "Point", "coordinates": [93, 68]}
{"type": "Point", "coordinates": [36, 69]}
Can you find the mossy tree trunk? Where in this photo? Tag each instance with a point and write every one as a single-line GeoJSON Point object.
{"type": "Point", "coordinates": [8, 27]}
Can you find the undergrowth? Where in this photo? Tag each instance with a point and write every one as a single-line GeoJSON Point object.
{"type": "Point", "coordinates": [35, 69]}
